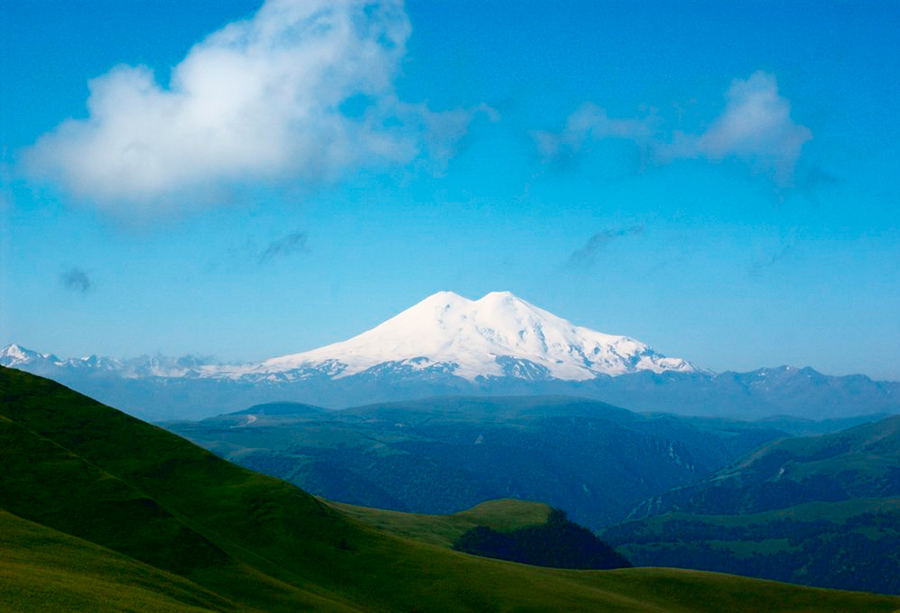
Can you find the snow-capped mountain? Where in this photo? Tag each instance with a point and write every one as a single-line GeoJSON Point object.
{"type": "Point", "coordinates": [16, 356]}
{"type": "Point", "coordinates": [499, 335]}
{"type": "Point", "coordinates": [450, 345]}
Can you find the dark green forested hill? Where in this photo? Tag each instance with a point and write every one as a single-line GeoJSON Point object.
{"type": "Point", "coordinates": [557, 543]}
{"type": "Point", "coordinates": [854, 544]}
{"type": "Point", "coordinates": [101, 511]}
{"type": "Point", "coordinates": [860, 462]}
{"type": "Point", "coordinates": [819, 510]}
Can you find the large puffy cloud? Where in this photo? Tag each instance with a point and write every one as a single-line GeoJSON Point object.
{"type": "Point", "coordinates": [302, 91]}
{"type": "Point", "coordinates": [755, 126]}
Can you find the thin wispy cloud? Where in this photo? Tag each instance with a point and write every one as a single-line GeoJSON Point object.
{"type": "Point", "coordinates": [760, 266]}
{"type": "Point", "coordinates": [588, 253]}
{"type": "Point", "coordinates": [261, 100]}
{"type": "Point", "coordinates": [591, 123]}
{"type": "Point", "coordinates": [292, 243]}
{"type": "Point", "coordinates": [755, 126]}
{"type": "Point", "coordinates": [256, 252]}
{"type": "Point", "coordinates": [76, 280]}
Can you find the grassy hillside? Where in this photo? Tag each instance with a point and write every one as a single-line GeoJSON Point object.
{"type": "Point", "coordinates": [167, 523]}
{"type": "Point", "coordinates": [44, 569]}
{"type": "Point", "coordinates": [552, 539]}
{"type": "Point", "coordinates": [444, 530]}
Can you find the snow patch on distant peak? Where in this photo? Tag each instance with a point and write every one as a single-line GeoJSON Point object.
{"type": "Point", "coordinates": [15, 352]}
{"type": "Point", "coordinates": [13, 355]}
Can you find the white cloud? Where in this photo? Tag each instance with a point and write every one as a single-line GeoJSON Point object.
{"type": "Point", "coordinates": [590, 123]}
{"type": "Point", "coordinates": [259, 100]}
{"type": "Point", "coordinates": [755, 126]}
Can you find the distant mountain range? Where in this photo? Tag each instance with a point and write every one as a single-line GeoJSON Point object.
{"type": "Point", "coordinates": [449, 345]}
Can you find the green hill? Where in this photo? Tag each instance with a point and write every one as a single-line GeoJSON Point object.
{"type": "Point", "coordinates": [44, 569]}
{"type": "Point", "coordinates": [557, 543]}
{"type": "Point", "coordinates": [99, 505]}
{"type": "Point", "coordinates": [444, 530]}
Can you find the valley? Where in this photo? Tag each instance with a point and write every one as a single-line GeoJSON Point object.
{"type": "Point", "coordinates": [444, 455]}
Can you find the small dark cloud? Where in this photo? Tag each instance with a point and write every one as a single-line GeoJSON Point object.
{"type": "Point", "coordinates": [294, 242]}
{"type": "Point", "coordinates": [76, 280]}
{"type": "Point", "coordinates": [758, 267]}
{"type": "Point", "coordinates": [586, 255]}
{"type": "Point", "coordinates": [253, 252]}
{"type": "Point", "coordinates": [816, 177]}
{"type": "Point", "coordinates": [813, 181]}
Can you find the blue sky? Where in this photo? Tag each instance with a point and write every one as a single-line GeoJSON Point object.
{"type": "Point", "coordinates": [717, 179]}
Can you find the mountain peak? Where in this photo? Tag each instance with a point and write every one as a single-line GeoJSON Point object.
{"type": "Point", "coordinates": [13, 350]}
{"type": "Point", "coordinates": [17, 354]}
{"type": "Point", "coordinates": [506, 296]}
{"type": "Point", "coordinates": [441, 299]}
{"type": "Point", "coordinates": [444, 295]}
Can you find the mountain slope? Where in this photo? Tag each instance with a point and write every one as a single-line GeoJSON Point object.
{"type": "Point", "coordinates": [44, 569]}
{"type": "Point", "coordinates": [98, 474]}
{"type": "Point", "coordinates": [852, 545]}
{"type": "Point", "coordinates": [860, 462]}
{"type": "Point", "coordinates": [820, 510]}
{"type": "Point", "coordinates": [444, 530]}
{"type": "Point", "coordinates": [283, 549]}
